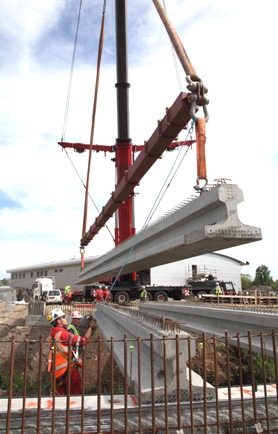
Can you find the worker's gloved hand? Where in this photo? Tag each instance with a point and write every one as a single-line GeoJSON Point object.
{"type": "Point", "coordinates": [93, 324]}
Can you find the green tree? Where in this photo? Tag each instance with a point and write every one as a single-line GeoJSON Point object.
{"type": "Point", "coordinates": [262, 276]}
{"type": "Point", "coordinates": [4, 282]}
{"type": "Point", "coordinates": [246, 281]}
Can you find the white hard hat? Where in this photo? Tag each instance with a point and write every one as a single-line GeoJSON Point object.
{"type": "Point", "coordinates": [217, 283]}
{"type": "Point", "coordinates": [76, 314]}
{"type": "Point", "coordinates": [55, 314]}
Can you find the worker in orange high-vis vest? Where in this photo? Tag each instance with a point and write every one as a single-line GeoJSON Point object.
{"type": "Point", "coordinates": [106, 295]}
{"type": "Point", "coordinates": [60, 338]}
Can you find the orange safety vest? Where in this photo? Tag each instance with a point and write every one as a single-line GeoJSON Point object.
{"type": "Point", "coordinates": [62, 356]}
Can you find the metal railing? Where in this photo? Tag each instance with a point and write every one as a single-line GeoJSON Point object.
{"type": "Point", "coordinates": [229, 390]}
{"type": "Point", "coordinates": [270, 309]}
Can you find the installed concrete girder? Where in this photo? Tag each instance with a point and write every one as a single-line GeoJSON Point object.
{"type": "Point", "coordinates": [120, 323]}
{"type": "Point", "coordinates": [206, 224]}
{"type": "Point", "coordinates": [198, 319]}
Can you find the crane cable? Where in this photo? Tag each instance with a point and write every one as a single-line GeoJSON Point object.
{"type": "Point", "coordinates": [71, 75]}
{"type": "Point", "coordinates": [95, 205]}
{"type": "Point", "coordinates": [67, 108]}
{"type": "Point", "coordinates": [100, 48]}
{"type": "Point", "coordinates": [196, 86]}
{"type": "Point", "coordinates": [162, 193]}
{"type": "Point", "coordinates": [190, 132]}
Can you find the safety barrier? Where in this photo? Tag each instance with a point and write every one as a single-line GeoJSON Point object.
{"type": "Point", "coordinates": [245, 386]}
{"type": "Point", "coordinates": [41, 308]}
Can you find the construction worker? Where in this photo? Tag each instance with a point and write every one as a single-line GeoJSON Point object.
{"type": "Point", "coordinates": [73, 328]}
{"type": "Point", "coordinates": [70, 297]}
{"type": "Point", "coordinates": [106, 294]}
{"type": "Point", "coordinates": [67, 289]}
{"type": "Point", "coordinates": [60, 336]}
{"type": "Point", "coordinates": [98, 294]}
{"type": "Point", "coordinates": [75, 323]}
{"type": "Point", "coordinates": [143, 294]}
{"type": "Point", "coordinates": [66, 293]}
{"type": "Point", "coordinates": [218, 290]}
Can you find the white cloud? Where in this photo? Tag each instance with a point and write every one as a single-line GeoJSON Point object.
{"type": "Point", "coordinates": [231, 45]}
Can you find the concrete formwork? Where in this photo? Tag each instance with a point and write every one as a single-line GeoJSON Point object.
{"type": "Point", "coordinates": [156, 367]}
{"type": "Point", "coordinates": [206, 224]}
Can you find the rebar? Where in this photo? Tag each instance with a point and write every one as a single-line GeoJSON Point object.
{"type": "Point", "coordinates": [237, 406]}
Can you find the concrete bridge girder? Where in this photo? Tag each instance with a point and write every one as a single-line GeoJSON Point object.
{"type": "Point", "coordinates": [117, 323]}
{"type": "Point", "coordinates": [217, 322]}
{"type": "Point", "coordinates": [206, 224]}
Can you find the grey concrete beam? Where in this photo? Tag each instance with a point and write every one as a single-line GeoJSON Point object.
{"type": "Point", "coordinates": [215, 321]}
{"type": "Point", "coordinates": [118, 323]}
{"type": "Point", "coordinates": [206, 224]}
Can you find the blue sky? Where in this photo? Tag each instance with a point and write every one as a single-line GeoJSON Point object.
{"type": "Point", "coordinates": [232, 45]}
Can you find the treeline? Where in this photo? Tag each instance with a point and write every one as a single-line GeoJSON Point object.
{"type": "Point", "coordinates": [262, 277]}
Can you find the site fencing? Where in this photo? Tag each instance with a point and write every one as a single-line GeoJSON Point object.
{"type": "Point", "coordinates": [229, 390]}
{"type": "Point", "coordinates": [41, 308]}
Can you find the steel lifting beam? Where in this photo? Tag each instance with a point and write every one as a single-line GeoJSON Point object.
{"type": "Point", "coordinates": [176, 119]}
{"type": "Point", "coordinates": [81, 147]}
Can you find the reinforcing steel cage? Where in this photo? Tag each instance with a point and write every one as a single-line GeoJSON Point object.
{"type": "Point", "coordinates": [216, 388]}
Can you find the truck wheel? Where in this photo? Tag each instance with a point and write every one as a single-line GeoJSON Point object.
{"type": "Point", "coordinates": [160, 296]}
{"type": "Point", "coordinates": [149, 296]}
{"type": "Point", "coordinates": [121, 297]}
{"type": "Point", "coordinates": [78, 298]}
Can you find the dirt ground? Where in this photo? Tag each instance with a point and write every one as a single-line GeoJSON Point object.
{"type": "Point", "coordinates": [32, 344]}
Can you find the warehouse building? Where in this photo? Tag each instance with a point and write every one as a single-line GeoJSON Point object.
{"type": "Point", "coordinates": [176, 273]}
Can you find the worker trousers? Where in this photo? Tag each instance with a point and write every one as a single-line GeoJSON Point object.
{"type": "Point", "coordinates": [75, 382]}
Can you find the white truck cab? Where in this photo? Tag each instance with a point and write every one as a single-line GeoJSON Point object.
{"type": "Point", "coordinates": [42, 284]}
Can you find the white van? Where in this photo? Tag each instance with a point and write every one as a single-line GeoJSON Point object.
{"type": "Point", "coordinates": [52, 296]}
